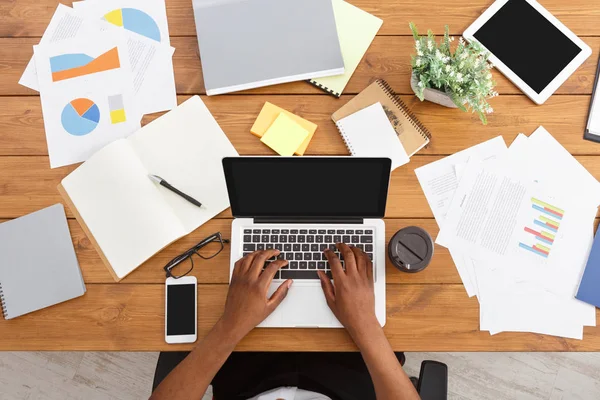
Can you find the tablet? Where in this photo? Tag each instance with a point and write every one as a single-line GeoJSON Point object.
{"type": "Point", "coordinates": [529, 45]}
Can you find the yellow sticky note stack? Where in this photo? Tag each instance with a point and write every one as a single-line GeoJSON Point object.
{"type": "Point", "coordinates": [284, 135]}
{"type": "Point", "coordinates": [270, 113]}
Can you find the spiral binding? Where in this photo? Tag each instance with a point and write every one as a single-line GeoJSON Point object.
{"type": "Point", "coordinates": [343, 135]}
{"type": "Point", "coordinates": [405, 110]}
{"type": "Point", "coordinates": [324, 88]}
{"type": "Point", "coordinates": [3, 303]}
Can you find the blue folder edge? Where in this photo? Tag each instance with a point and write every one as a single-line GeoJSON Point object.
{"type": "Point", "coordinates": [589, 288]}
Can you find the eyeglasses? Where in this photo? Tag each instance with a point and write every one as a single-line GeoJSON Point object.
{"type": "Point", "coordinates": [206, 249]}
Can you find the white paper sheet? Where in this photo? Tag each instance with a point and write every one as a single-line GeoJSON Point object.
{"type": "Point", "coordinates": [86, 94]}
{"type": "Point", "coordinates": [65, 24]}
{"type": "Point", "coordinates": [145, 17]}
{"type": "Point", "coordinates": [144, 24]}
{"type": "Point", "coordinates": [151, 61]}
{"type": "Point", "coordinates": [509, 306]}
{"type": "Point", "coordinates": [439, 181]}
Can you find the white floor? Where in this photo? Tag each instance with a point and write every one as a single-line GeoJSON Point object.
{"type": "Point", "coordinates": [128, 376]}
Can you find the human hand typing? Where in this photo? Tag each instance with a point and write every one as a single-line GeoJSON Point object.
{"type": "Point", "coordinates": [247, 304]}
{"type": "Point", "coordinates": [351, 296]}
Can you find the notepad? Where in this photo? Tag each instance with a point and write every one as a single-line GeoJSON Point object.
{"type": "Point", "coordinates": [38, 265]}
{"type": "Point", "coordinates": [267, 116]}
{"type": "Point", "coordinates": [285, 135]}
{"type": "Point", "coordinates": [369, 133]}
{"type": "Point", "coordinates": [356, 31]}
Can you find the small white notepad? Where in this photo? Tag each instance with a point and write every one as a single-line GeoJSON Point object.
{"type": "Point", "coordinates": [369, 133]}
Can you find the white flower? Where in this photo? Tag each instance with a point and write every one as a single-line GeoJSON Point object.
{"type": "Point", "coordinates": [452, 38]}
{"type": "Point", "coordinates": [489, 110]}
{"type": "Point", "coordinates": [417, 44]}
{"type": "Point", "coordinates": [418, 62]}
{"type": "Point", "coordinates": [420, 53]}
{"type": "Point", "coordinates": [439, 55]}
{"type": "Point", "coordinates": [448, 68]}
{"type": "Point", "coordinates": [459, 77]}
{"type": "Point", "coordinates": [464, 55]}
{"type": "Point", "coordinates": [429, 44]}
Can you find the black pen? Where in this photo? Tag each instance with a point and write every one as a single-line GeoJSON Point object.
{"type": "Point", "coordinates": [164, 183]}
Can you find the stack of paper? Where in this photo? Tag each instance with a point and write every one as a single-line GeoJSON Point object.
{"type": "Point", "coordinates": [518, 223]}
{"type": "Point", "coordinates": [99, 68]}
{"type": "Point", "coordinates": [284, 132]}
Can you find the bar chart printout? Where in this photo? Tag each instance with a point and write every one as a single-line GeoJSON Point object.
{"type": "Point", "coordinates": [540, 232]}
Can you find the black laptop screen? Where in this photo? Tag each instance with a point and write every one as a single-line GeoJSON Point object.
{"type": "Point", "coordinates": [307, 186]}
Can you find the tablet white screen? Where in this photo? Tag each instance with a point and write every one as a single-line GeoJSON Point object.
{"type": "Point", "coordinates": [527, 43]}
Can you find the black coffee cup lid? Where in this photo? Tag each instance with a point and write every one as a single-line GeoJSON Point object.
{"type": "Point", "coordinates": [411, 249]}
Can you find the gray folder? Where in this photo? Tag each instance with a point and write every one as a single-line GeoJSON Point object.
{"type": "Point", "coordinates": [252, 43]}
{"type": "Point", "coordinates": [38, 266]}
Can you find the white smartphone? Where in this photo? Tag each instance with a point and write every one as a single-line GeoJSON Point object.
{"type": "Point", "coordinates": [181, 310]}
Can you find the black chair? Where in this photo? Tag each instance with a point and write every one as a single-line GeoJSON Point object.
{"type": "Point", "coordinates": [432, 383]}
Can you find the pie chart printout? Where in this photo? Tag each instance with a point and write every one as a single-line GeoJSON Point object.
{"type": "Point", "coordinates": [80, 117]}
{"type": "Point", "coordinates": [134, 20]}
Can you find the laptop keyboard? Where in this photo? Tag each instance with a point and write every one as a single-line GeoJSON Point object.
{"type": "Point", "coordinates": [303, 248]}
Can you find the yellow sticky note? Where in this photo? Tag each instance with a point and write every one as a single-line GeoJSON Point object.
{"type": "Point", "coordinates": [284, 135]}
{"type": "Point", "coordinates": [267, 116]}
{"type": "Point", "coordinates": [118, 116]}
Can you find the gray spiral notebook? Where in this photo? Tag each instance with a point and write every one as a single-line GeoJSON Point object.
{"type": "Point", "coordinates": [38, 266]}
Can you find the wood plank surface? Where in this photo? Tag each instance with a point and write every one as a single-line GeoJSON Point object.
{"type": "Point", "coordinates": [388, 58]}
{"type": "Point", "coordinates": [28, 184]}
{"type": "Point", "coordinates": [428, 311]}
{"type": "Point", "coordinates": [30, 17]}
{"type": "Point", "coordinates": [131, 317]}
{"type": "Point", "coordinates": [216, 270]}
{"type": "Point", "coordinates": [565, 117]}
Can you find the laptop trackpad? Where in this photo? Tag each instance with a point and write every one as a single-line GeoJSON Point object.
{"type": "Point", "coordinates": [306, 307]}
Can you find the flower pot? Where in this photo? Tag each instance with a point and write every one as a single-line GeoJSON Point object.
{"type": "Point", "coordinates": [432, 95]}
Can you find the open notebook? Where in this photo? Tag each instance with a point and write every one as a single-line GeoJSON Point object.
{"type": "Point", "coordinates": [130, 218]}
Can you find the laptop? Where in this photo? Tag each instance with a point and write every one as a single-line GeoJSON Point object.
{"type": "Point", "coordinates": [302, 205]}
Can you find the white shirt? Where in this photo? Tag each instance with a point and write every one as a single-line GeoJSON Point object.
{"type": "Point", "coordinates": [290, 393]}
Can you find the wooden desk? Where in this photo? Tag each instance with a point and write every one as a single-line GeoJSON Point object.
{"type": "Point", "coordinates": [428, 311]}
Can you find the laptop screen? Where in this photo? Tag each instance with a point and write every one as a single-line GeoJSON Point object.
{"type": "Point", "coordinates": [307, 186]}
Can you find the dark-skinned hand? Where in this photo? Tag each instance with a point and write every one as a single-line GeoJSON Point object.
{"type": "Point", "coordinates": [351, 296]}
{"type": "Point", "coordinates": [247, 304]}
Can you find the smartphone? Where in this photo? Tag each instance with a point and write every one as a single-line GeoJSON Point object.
{"type": "Point", "coordinates": [181, 310]}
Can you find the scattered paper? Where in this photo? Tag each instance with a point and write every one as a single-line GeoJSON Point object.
{"type": "Point", "coordinates": [86, 94]}
{"type": "Point", "coordinates": [65, 24]}
{"type": "Point", "coordinates": [519, 228]}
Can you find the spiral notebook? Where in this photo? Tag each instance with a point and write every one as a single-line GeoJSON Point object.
{"type": "Point", "coordinates": [413, 135]}
{"type": "Point", "coordinates": [369, 133]}
{"type": "Point", "coordinates": [38, 266]}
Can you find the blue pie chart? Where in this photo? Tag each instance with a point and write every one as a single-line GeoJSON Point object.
{"type": "Point", "coordinates": [80, 117]}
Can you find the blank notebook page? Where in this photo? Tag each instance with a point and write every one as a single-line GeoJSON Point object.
{"type": "Point", "coordinates": [369, 133]}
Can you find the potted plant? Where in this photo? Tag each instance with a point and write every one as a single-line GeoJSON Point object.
{"type": "Point", "coordinates": [461, 79]}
